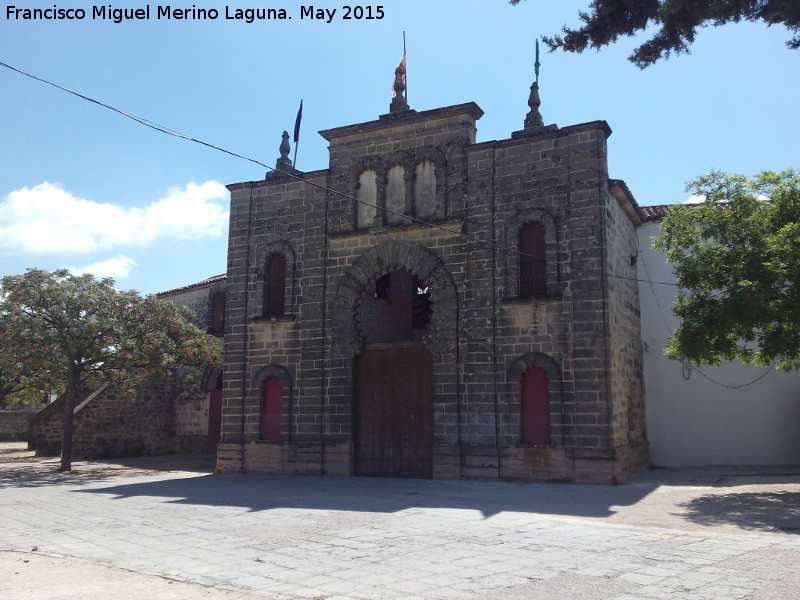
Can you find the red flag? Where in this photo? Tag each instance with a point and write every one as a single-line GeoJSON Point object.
{"type": "Point", "coordinates": [402, 66]}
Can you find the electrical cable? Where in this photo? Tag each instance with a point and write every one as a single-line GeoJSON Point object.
{"type": "Point", "coordinates": [166, 130]}
{"type": "Point", "coordinates": [686, 366]}
{"type": "Point", "coordinates": [736, 387]}
{"type": "Point", "coordinates": [159, 128]}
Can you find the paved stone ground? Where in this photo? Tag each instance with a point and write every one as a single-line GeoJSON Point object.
{"type": "Point", "coordinates": [167, 528]}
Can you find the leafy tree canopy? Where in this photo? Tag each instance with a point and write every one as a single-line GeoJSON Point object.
{"type": "Point", "coordinates": [18, 384]}
{"type": "Point", "coordinates": [677, 22]}
{"type": "Point", "coordinates": [74, 332]}
{"type": "Point", "coordinates": [737, 258]}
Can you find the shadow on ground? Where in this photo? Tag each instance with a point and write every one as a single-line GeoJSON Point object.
{"type": "Point", "coordinates": [753, 499]}
{"type": "Point", "coordinates": [772, 511]}
{"type": "Point", "coordinates": [267, 492]}
{"type": "Point", "coordinates": [765, 511]}
{"type": "Point", "coordinates": [20, 468]}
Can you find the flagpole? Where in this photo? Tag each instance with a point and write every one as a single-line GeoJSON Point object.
{"type": "Point", "coordinates": [297, 132]}
{"type": "Point", "coordinates": [405, 61]}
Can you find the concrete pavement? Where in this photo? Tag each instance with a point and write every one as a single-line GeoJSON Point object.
{"type": "Point", "coordinates": [687, 534]}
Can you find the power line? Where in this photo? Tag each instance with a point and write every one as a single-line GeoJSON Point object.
{"type": "Point", "coordinates": [168, 131]}
{"type": "Point", "coordinates": [686, 366]}
{"type": "Point", "coordinates": [736, 387]}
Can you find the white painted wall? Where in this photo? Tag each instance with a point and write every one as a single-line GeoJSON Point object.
{"type": "Point", "coordinates": [694, 422]}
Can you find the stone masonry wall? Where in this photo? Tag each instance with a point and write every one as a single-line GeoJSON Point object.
{"type": "Point", "coordinates": [109, 424]}
{"type": "Point", "coordinates": [199, 299]}
{"type": "Point", "coordinates": [357, 258]}
{"type": "Point", "coordinates": [553, 177]}
{"type": "Point", "coordinates": [15, 422]}
{"type": "Point", "coordinates": [285, 216]}
{"type": "Point", "coordinates": [190, 405]}
{"type": "Point", "coordinates": [627, 377]}
{"type": "Point", "coordinates": [481, 335]}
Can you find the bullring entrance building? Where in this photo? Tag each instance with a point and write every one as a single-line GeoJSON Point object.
{"type": "Point", "coordinates": [429, 306]}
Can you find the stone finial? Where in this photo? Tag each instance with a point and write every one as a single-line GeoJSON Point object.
{"type": "Point", "coordinates": [284, 163]}
{"type": "Point", "coordinates": [534, 118]}
{"type": "Point", "coordinates": [399, 101]}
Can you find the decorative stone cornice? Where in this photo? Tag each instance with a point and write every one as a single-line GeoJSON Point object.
{"type": "Point", "coordinates": [468, 109]}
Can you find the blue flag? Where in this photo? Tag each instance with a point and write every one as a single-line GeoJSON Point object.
{"type": "Point", "coordinates": [297, 122]}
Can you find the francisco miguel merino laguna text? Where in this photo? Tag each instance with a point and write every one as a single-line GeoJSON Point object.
{"type": "Point", "coordinates": [248, 15]}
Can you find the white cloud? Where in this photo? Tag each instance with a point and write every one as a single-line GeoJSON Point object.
{"type": "Point", "coordinates": [48, 219]}
{"type": "Point", "coordinates": [118, 267]}
{"type": "Point", "coordinates": [695, 199]}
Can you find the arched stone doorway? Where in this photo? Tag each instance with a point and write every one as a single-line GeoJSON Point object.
{"type": "Point", "coordinates": [393, 405]}
{"type": "Point", "coordinates": [357, 316]}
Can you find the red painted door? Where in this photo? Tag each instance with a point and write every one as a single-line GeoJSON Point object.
{"type": "Point", "coordinates": [214, 420]}
{"type": "Point", "coordinates": [394, 413]}
{"type": "Point", "coordinates": [535, 407]}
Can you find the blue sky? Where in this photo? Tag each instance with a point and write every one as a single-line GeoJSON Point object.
{"type": "Point", "coordinates": [82, 187]}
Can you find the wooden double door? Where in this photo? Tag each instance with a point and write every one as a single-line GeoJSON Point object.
{"type": "Point", "coordinates": [394, 412]}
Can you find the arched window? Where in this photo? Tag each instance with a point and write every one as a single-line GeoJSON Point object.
{"type": "Point", "coordinates": [271, 402]}
{"type": "Point", "coordinates": [398, 309]}
{"type": "Point", "coordinates": [396, 194]}
{"type": "Point", "coordinates": [425, 189]}
{"type": "Point", "coordinates": [218, 321]}
{"type": "Point", "coordinates": [368, 194]}
{"type": "Point", "coordinates": [532, 260]}
{"type": "Point", "coordinates": [275, 285]}
{"type": "Point", "coordinates": [534, 407]}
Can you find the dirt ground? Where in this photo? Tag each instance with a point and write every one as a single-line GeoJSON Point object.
{"type": "Point", "coordinates": [28, 576]}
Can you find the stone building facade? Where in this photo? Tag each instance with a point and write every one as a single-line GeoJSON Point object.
{"type": "Point", "coordinates": [429, 306]}
{"type": "Point", "coordinates": [206, 300]}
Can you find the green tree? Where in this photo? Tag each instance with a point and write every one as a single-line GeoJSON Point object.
{"type": "Point", "coordinates": [677, 22]}
{"type": "Point", "coordinates": [19, 386]}
{"type": "Point", "coordinates": [79, 332]}
{"type": "Point", "coordinates": [737, 264]}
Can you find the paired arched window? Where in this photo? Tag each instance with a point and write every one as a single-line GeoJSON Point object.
{"type": "Point", "coordinates": [275, 285]}
{"type": "Point", "coordinates": [534, 407]}
{"type": "Point", "coordinates": [271, 403]}
{"type": "Point", "coordinates": [425, 189]}
{"type": "Point", "coordinates": [368, 196]}
{"type": "Point", "coordinates": [532, 260]}
{"type": "Point", "coordinates": [394, 195]}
